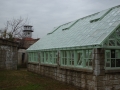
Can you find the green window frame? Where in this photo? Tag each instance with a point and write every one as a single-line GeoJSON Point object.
{"type": "Point", "coordinates": [48, 57]}
{"type": "Point", "coordinates": [112, 59]}
{"type": "Point", "coordinates": [85, 58]}
{"type": "Point", "coordinates": [113, 40]}
{"type": "Point", "coordinates": [88, 58]}
{"type": "Point", "coordinates": [32, 57]}
{"type": "Point", "coordinates": [77, 58]}
{"type": "Point", "coordinates": [67, 58]}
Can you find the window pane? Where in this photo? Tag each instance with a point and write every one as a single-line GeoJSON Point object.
{"type": "Point", "coordinates": [112, 62]}
{"type": "Point", "coordinates": [117, 62]}
{"type": "Point", "coordinates": [90, 62]}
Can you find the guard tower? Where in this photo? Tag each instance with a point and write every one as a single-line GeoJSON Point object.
{"type": "Point", "coordinates": [27, 32]}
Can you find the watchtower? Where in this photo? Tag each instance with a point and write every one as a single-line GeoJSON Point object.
{"type": "Point", "coordinates": [27, 32]}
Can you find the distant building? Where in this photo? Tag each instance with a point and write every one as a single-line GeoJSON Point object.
{"type": "Point", "coordinates": [27, 41]}
{"type": "Point", "coordinates": [27, 32]}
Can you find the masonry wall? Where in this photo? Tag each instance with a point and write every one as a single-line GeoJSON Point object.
{"type": "Point", "coordinates": [83, 80]}
{"type": "Point", "coordinates": [8, 54]}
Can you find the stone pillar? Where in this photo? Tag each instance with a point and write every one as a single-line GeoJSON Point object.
{"type": "Point", "coordinates": [98, 68]}
{"type": "Point", "coordinates": [99, 61]}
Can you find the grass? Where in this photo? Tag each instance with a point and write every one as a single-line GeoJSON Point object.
{"type": "Point", "coordinates": [24, 80]}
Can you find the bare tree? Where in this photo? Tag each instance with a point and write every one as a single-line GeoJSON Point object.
{"type": "Point", "coordinates": [13, 30]}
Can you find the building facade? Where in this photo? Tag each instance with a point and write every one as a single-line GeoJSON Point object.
{"type": "Point", "coordinates": [84, 52]}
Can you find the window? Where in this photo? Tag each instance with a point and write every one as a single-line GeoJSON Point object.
{"type": "Point", "coordinates": [88, 58]}
{"type": "Point", "coordinates": [84, 58]}
{"type": "Point", "coordinates": [67, 58]}
{"type": "Point", "coordinates": [64, 57]}
{"type": "Point", "coordinates": [77, 58]}
{"type": "Point", "coordinates": [55, 57]}
{"type": "Point", "coordinates": [113, 40]}
{"type": "Point", "coordinates": [71, 53]}
{"type": "Point", "coordinates": [112, 58]}
{"type": "Point", "coordinates": [80, 58]}
{"type": "Point", "coordinates": [33, 57]}
{"type": "Point", "coordinates": [49, 57]}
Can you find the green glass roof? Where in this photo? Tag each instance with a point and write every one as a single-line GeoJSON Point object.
{"type": "Point", "coordinates": [89, 30]}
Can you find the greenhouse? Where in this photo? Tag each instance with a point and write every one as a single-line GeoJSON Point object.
{"type": "Point", "coordinates": [89, 46]}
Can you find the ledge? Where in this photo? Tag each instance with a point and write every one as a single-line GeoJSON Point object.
{"type": "Point", "coordinates": [33, 63]}
{"type": "Point", "coordinates": [50, 65]}
{"type": "Point", "coordinates": [77, 69]}
{"type": "Point", "coordinates": [112, 70]}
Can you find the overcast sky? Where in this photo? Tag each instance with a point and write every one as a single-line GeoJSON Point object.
{"type": "Point", "coordinates": [44, 15]}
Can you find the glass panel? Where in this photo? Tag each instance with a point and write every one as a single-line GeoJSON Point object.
{"type": "Point", "coordinates": [118, 43]}
{"type": "Point", "coordinates": [79, 61]}
{"type": "Point", "coordinates": [50, 57]}
{"type": "Point", "coordinates": [55, 57]}
{"type": "Point", "coordinates": [117, 62]}
{"type": "Point", "coordinates": [71, 57]}
{"type": "Point", "coordinates": [90, 62]}
{"type": "Point", "coordinates": [118, 33]}
{"type": "Point", "coordinates": [117, 54]}
{"type": "Point", "coordinates": [90, 54]}
{"type": "Point", "coordinates": [108, 55]}
{"type": "Point", "coordinates": [65, 61]}
{"type": "Point", "coordinates": [46, 57]}
{"type": "Point", "coordinates": [87, 62]}
{"type": "Point", "coordinates": [112, 62]}
{"type": "Point", "coordinates": [112, 42]}
{"type": "Point", "coordinates": [108, 60]}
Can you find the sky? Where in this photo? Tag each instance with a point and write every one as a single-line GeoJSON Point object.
{"type": "Point", "coordinates": [44, 15]}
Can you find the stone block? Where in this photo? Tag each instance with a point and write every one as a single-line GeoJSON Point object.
{"type": "Point", "coordinates": [116, 87]}
{"type": "Point", "coordinates": [77, 84]}
{"type": "Point", "coordinates": [116, 82]}
{"type": "Point", "coordinates": [83, 76]}
{"type": "Point", "coordinates": [100, 83]}
{"type": "Point", "coordinates": [89, 77]}
{"type": "Point", "coordinates": [83, 85]}
{"type": "Point", "coordinates": [102, 78]}
{"type": "Point", "coordinates": [101, 88]}
{"type": "Point", "coordinates": [83, 81]}
{"type": "Point", "coordinates": [109, 83]}
{"type": "Point", "coordinates": [78, 79]}
{"type": "Point", "coordinates": [109, 88]}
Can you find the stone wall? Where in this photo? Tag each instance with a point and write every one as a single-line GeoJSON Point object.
{"type": "Point", "coordinates": [83, 80]}
{"type": "Point", "coordinates": [8, 54]}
